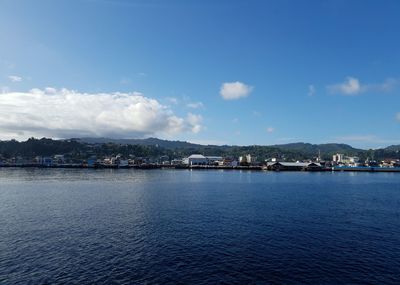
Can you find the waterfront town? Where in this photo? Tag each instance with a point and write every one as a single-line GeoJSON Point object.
{"type": "Point", "coordinates": [339, 162]}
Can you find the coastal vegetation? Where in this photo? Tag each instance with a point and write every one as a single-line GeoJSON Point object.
{"type": "Point", "coordinates": [154, 148]}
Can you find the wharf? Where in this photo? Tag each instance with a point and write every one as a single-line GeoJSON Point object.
{"type": "Point", "coordinates": [366, 169]}
{"type": "Point", "coordinates": [205, 167]}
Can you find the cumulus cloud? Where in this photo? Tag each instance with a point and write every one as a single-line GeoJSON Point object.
{"type": "Point", "coordinates": [15, 78]}
{"type": "Point", "coordinates": [195, 105]}
{"type": "Point", "coordinates": [66, 113]}
{"type": "Point", "coordinates": [235, 90]}
{"type": "Point", "coordinates": [195, 122]}
{"type": "Point", "coordinates": [353, 86]}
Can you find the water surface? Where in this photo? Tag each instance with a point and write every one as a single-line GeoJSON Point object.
{"type": "Point", "coordinates": [198, 227]}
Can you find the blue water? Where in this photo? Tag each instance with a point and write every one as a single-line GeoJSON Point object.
{"type": "Point", "coordinates": [198, 227]}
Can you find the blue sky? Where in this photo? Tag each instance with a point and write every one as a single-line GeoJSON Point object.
{"type": "Point", "coordinates": [223, 72]}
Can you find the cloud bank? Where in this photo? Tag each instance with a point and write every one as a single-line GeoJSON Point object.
{"type": "Point", "coordinates": [235, 90]}
{"type": "Point", "coordinates": [66, 113]}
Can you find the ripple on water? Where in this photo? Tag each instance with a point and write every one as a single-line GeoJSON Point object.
{"type": "Point", "coordinates": [167, 227]}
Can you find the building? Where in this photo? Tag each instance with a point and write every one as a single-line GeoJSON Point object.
{"type": "Point", "coordinates": [176, 162]}
{"type": "Point", "coordinates": [293, 166]}
{"type": "Point", "coordinates": [59, 159]}
{"type": "Point", "coordinates": [195, 159]}
{"type": "Point", "coordinates": [214, 160]}
{"type": "Point", "coordinates": [346, 160]}
{"type": "Point", "coordinates": [390, 162]}
{"type": "Point", "coordinates": [247, 159]}
{"type": "Point", "coordinates": [338, 158]}
{"type": "Point", "coordinates": [229, 161]}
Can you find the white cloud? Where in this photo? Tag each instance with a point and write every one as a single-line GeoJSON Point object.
{"type": "Point", "coordinates": [270, 129]}
{"type": "Point", "coordinates": [351, 86]}
{"type": "Point", "coordinates": [311, 90]}
{"type": "Point", "coordinates": [66, 113]}
{"type": "Point", "coordinates": [195, 122]}
{"type": "Point", "coordinates": [235, 90]}
{"type": "Point", "coordinates": [398, 116]}
{"type": "Point", "coordinates": [15, 78]}
{"type": "Point", "coordinates": [195, 105]}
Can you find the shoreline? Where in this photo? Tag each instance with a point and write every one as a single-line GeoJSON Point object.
{"type": "Point", "coordinates": [206, 167]}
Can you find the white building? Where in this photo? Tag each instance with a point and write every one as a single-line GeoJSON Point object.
{"type": "Point", "coordinates": [339, 157]}
{"type": "Point", "coordinates": [347, 160]}
{"type": "Point", "coordinates": [195, 159]}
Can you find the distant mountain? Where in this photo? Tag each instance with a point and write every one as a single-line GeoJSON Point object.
{"type": "Point", "coordinates": [149, 142]}
{"type": "Point", "coordinates": [393, 148]}
{"type": "Point", "coordinates": [300, 147]}
{"type": "Point", "coordinates": [82, 148]}
{"type": "Point", "coordinates": [323, 148]}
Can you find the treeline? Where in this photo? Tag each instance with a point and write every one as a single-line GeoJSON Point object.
{"type": "Point", "coordinates": [72, 149]}
{"type": "Point", "coordinates": [81, 150]}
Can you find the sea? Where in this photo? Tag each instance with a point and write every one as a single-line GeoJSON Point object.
{"type": "Point", "coordinates": [129, 226]}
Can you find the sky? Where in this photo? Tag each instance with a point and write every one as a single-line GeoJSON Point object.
{"type": "Point", "coordinates": [211, 72]}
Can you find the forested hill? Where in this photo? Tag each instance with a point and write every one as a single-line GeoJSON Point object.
{"type": "Point", "coordinates": [153, 147]}
{"type": "Point", "coordinates": [149, 142]}
{"type": "Point", "coordinates": [313, 149]}
{"type": "Point", "coordinates": [393, 148]}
